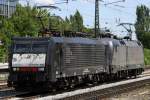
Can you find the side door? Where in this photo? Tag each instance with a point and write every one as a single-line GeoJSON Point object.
{"type": "Point", "coordinates": [58, 62]}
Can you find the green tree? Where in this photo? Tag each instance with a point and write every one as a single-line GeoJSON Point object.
{"type": "Point", "coordinates": [143, 25]}
{"type": "Point", "coordinates": [76, 22]}
{"type": "Point", "coordinates": [24, 22]}
{"type": "Point", "coordinates": [67, 24]}
{"type": "Point", "coordinates": [6, 30]}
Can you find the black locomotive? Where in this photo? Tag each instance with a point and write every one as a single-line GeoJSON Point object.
{"type": "Point", "coordinates": [64, 61]}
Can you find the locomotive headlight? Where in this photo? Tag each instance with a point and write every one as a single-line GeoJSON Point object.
{"type": "Point", "coordinates": [41, 69]}
{"type": "Point", "coordinates": [14, 69]}
{"type": "Point", "coordinates": [17, 69]}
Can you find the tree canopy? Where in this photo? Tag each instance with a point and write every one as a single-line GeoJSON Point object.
{"type": "Point", "coordinates": [142, 25]}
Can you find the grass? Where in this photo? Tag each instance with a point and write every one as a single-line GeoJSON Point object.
{"type": "Point", "coordinates": [147, 56]}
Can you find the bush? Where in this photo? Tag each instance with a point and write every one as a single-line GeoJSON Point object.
{"type": "Point", "coordinates": [147, 56]}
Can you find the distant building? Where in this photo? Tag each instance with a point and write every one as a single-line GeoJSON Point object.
{"type": "Point", "coordinates": [7, 7]}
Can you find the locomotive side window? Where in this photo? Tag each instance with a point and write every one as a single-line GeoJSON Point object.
{"type": "Point", "coordinates": [39, 47]}
{"type": "Point", "coordinates": [122, 42]}
{"type": "Point", "coordinates": [22, 47]}
{"type": "Point", "coordinates": [139, 43]}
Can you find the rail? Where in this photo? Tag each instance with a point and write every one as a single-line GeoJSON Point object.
{"type": "Point", "coordinates": [102, 91]}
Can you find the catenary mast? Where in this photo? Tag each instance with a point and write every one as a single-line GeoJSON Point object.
{"type": "Point", "coordinates": [97, 29]}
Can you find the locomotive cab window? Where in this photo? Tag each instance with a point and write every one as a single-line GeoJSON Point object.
{"type": "Point", "coordinates": [39, 47]}
{"type": "Point", "coordinates": [22, 48]}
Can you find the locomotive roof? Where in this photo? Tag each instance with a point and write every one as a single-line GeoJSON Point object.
{"type": "Point", "coordinates": [30, 38]}
{"type": "Point", "coordinates": [103, 41]}
{"type": "Point", "coordinates": [132, 43]}
{"type": "Point", "coordinates": [81, 40]}
{"type": "Point", "coordinates": [75, 40]}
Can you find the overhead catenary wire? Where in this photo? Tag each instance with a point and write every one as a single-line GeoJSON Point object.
{"type": "Point", "coordinates": [138, 1]}
{"type": "Point", "coordinates": [103, 5]}
{"type": "Point", "coordinates": [116, 9]}
{"type": "Point", "coordinates": [91, 16]}
{"type": "Point", "coordinates": [106, 22]}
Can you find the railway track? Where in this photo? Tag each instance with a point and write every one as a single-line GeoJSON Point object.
{"type": "Point", "coordinates": [11, 93]}
{"type": "Point", "coordinates": [91, 93]}
{"type": "Point", "coordinates": [101, 91]}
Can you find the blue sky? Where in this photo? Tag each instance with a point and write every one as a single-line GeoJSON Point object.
{"type": "Point", "coordinates": [109, 15]}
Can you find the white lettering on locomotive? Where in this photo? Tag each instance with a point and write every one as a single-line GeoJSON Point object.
{"type": "Point", "coordinates": [28, 60]}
